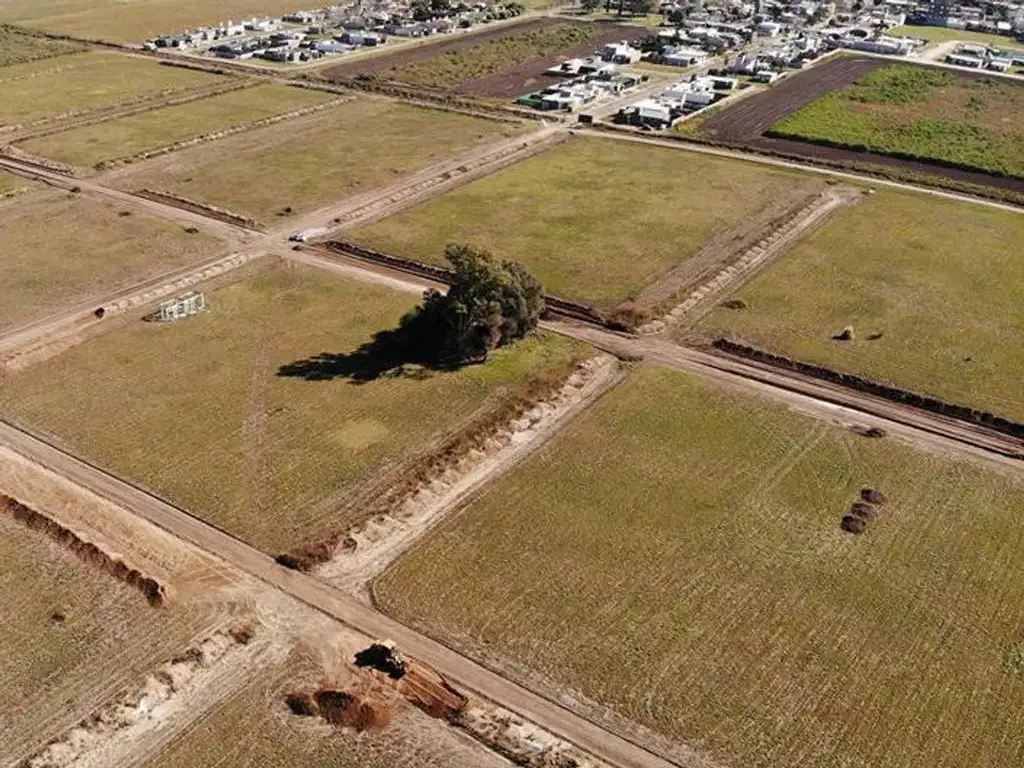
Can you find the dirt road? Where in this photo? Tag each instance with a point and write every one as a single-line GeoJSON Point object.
{"type": "Point", "coordinates": [331, 601]}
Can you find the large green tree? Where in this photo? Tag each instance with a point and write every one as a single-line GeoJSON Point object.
{"type": "Point", "coordinates": [490, 303]}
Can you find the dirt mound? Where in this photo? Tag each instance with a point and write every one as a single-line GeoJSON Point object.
{"type": "Point", "coordinates": [855, 525]}
{"type": "Point", "coordinates": [302, 704]}
{"type": "Point", "coordinates": [872, 496]}
{"type": "Point", "coordinates": [878, 389]}
{"type": "Point", "coordinates": [862, 510]}
{"type": "Point", "coordinates": [874, 432]}
{"type": "Point", "coordinates": [349, 711]}
{"type": "Point", "coordinates": [86, 551]}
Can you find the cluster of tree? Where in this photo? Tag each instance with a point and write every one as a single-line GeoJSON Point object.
{"type": "Point", "coordinates": [424, 10]}
{"type": "Point", "coordinates": [489, 304]}
{"type": "Point", "coordinates": [632, 7]}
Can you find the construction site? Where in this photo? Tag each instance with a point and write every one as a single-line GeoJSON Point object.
{"type": "Point", "coordinates": [749, 483]}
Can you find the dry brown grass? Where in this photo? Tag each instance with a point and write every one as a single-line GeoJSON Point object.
{"type": "Point", "coordinates": [304, 164]}
{"type": "Point", "coordinates": [71, 637]}
{"type": "Point", "coordinates": [53, 87]}
{"type": "Point", "coordinates": [933, 289]}
{"type": "Point", "coordinates": [275, 459]}
{"type": "Point", "coordinates": [595, 220]}
{"type": "Point", "coordinates": [61, 249]}
{"type": "Point", "coordinates": [678, 558]}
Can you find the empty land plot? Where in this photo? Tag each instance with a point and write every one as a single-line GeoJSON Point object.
{"type": "Point", "coordinates": [132, 22]}
{"type": "Point", "coordinates": [504, 62]}
{"type": "Point", "coordinates": [269, 457]}
{"type": "Point", "coordinates": [17, 47]}
{"type": "Point", "coordinates": [56, 87]}
{"type": "Point", "coordinates": [130, 136]}
{"type": "Point", "coordinates": [945, 35]}
{"type": "Point", "coordinates": [942, 282]}
{"type": "Point", "coordinates": [61, 249]}
{"type": "Point", "coordinates": [594, 219]}
{"type": "Point", "coordinates": [747, 124]}
{"type": "Point", "coordinates": [452, 63]}
{"type": "Point", "coordinates": [311, 161]}
{"type": "Point", "coordinates": [920, 113]}
{"type": "Point", "coordinates": [72, 637]}
{"type": "Point", "coordinates": [678, 557]}
{"type": "Point", "coordinates": [255, 728]}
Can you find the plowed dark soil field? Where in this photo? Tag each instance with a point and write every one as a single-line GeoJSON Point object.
{"type": "Point", "coordinates": [518, 79]}
{"type": "Point", "coordinates": [745, 124]}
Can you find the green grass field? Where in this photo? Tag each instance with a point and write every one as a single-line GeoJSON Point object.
{"type": "Point", "coordinates": [56, 673]}
{"type": "Point", "coordinates": [920, 113]}
{"type": "Point", "coordinates": [945, 34]}
{"type": "Point", "coordinates": [595, 220]}
{"type": "Point", "coordinates": [676, 555]}
{"type": "Point", "coordinates": [496, 55]}
{"type": "Point", "coordinates": [54, 87]}
{"type": "Point", "coordinates": [943, 281]}
{"type": "Point", "coordinates": [59, 250]}
{"type": "Point", "coordinates": [131, 21]}
{"type": "Point", "coordinates": [308, 163]}
{"type": "Point", "coordinates": [18, 47]}
{"type": "Point", "coordinates": [129, 136]}
{"type": "Point", "coordinates": [270, 458]}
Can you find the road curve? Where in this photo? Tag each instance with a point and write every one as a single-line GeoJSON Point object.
{"type": "Point", "coordinates": [463, 672]}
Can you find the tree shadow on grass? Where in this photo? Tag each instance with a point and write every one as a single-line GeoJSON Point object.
{"type": "Point", "coordinates": [391, 354]}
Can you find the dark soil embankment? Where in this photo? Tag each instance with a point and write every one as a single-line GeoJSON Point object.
{"type": "Point", "coordinates": [861, 384]}
{"type": "Point", "coordinates": [88, 552]}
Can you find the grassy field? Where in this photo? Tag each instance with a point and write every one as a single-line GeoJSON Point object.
{"type": "Point", "coordinates": [54, 87]}
{"type": "Point", "coordinates": [268, 457]}
{"type": "Point", "coordinates": [55, 673]}
{"type": "Point", "coordinates": [60, 249]}
{"type": "Point", "coordinates": [160, 127]}
{"type": "Point", "coordinates": [944, 35]}
{"type": "Point", "coordinates": [310, 162]}
{"type": "Point", "coordinates": [496, 55]}
{"type": "Point", "coordinates": [921, 113]}
{"type": "Point", "coordinates": [17, 47]}
{"type": "Point", "coordinates": [269, 735]}
{"type": "Point", "coordinates": [945, 285]}
{"type": "Point", "coordinates": [133, 21]}
{"type": "Point", "coordinates": [676, 555]}
{"type": "Point", "coordinates": [595, 220]}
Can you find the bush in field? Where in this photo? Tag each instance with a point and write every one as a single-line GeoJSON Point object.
{"type": "Point", "coordinates": [489, 304]}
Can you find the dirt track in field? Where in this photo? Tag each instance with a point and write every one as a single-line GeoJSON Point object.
{"type": "Point", "coordinates": [508, 84]}
{"type": "Point", "coordinates": [745, 124]}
